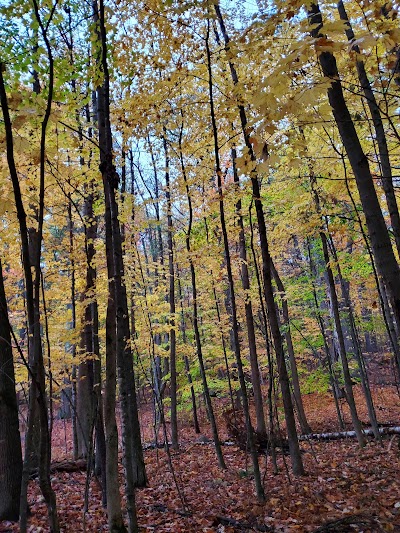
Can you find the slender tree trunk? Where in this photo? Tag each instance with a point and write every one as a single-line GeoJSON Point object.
{"type": "Point", "coordinates": [297, 463]}
{"type": "Point", "coordinates": [332, 377]}
{"type": "Point", "coordinates": [264, 330]}
{"type": "Point", "coordinates": [172, 333]}
{"type": "Point", "coordinates": [101, 454]}
{"type": "Point", "coordinates": [114, 511]}
{"type": "Point", "coordinates": [383, 300]}
{"type": "Point", "coordinates": [159, 251]}
{"type": "Point", "coordinates": [73, 327]}
{"type": "Point", "coordinates": [133, 453]}
{"type": "Point", "coordinates": [380, 241]}
{"type": "Point", "coordinates": [85, 381]}
{"type": "Point", "coordinates": [45, 440]}
{"type": "Point", "coordinates": [94, 404]}
{"type": "Point", "coordinates": [206, 391]}
{"type": "Point", "coordinates": [356, 344]}
{"type": "Point", "coordinates": [305, 427]}
{"type": "Point", "coordinates": [48, 348]}
{"type": "Point", "coordinates": [251, 336]}
{"type": "Point", "coordinates": [342, 349]}
{"type": "Point", "coordinates": [34, 410]}
{"type": "Point", "coordinates": [235, 328]}
{"type": "Point", "coordinates": [26, 263]}
{"type": "Point", "coordinates": [220, 326]}
{"type": "Point", "coordinates": [386, 168]}
{"type": "Point", "coordinates": [116, 309]}
{"type": "Point", "coordinates": [336, 317]}
{"type": "Point", "coordinates": [186, 359]}
{"type": "Point", "coordinates": [10, 440]}
{"type": "Point", "coordinates": [31, 260]}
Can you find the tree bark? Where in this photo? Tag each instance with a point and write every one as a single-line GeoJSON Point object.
{"type": "Point", "coordinates": [134, 467]}
{"type": "Point", "coordinates": [342, 349]}
{"type": "Point", "coordinates": [114, 511]}
{"type": "Point", "coordinates": [332, 377]}
{"type": "Point", "coordinates": [171, 297]}
{"type": "Point", "coordinates": [356, 342]}
{"type": "Point", "coordinates": [336, 317]}
{"type": "Point", "coordinates": [10, 440]}
{"type": "Point", "coordinates": [381, 289]}
{"type": "Point", "coordinates": [31, 261]}
{"type": "Point", "coordinates": [73, 326]}
{"type": "Point", "coordinates": [186, 359]}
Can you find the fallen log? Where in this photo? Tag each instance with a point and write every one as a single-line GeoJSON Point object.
{"type": "Point", "coordinates": [68, 466]}
{"type": "Point", "coordinates": [394, 430]}
{"type": "Point", "coordinates": [63, 466]}
{"type": "Point", "coordinates": [199, 442]}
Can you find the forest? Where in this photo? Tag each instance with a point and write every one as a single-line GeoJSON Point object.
{"type": "Point", "coordinates": [199, 266]}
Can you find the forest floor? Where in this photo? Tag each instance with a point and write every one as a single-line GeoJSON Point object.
{"type": "Point", "coordinates": [346, 488]}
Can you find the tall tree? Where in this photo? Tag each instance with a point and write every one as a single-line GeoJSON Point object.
{"type": "Point", "coordinates": [297, 463]}
{"type": "Point", "coordinates": [232, 297]}
{"type": "Point", "coordinates": [31, 254]}
{"type": "Point", "coordinates": [380, 241]}
{"type": "Point", "coordinates": [385, 165]}
{"type": "Point", "coordinates": [171, 298]}
{"type": "Point", "coordinates": [206, 390]}
{"type": "Point", "coordinates": [298, 400]}
{"type": "Point", "coordinates": [251, 335]}
{"type": "Point", "coordinates": [133, 453]}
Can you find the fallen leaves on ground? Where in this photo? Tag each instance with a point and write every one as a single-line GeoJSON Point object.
{"type": "Point", "coordinates": [342, 481]}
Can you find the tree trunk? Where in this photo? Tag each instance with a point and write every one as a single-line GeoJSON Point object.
{"type": "Point", "coordinates": [297, 463]}
{"type": "Point", "coordinates": [383, 300]}
{"type": "Point", "coordinates": [114, 511]}
{"type": "Point", "coordinates": [386, 168]}
{"type": "Point", "coordinates": [380, 241]}
{"type": "Point", "coordinates": [251, 336]}
{"type": "Point", "coordinates": [220, 326]}
{"type": "Point", "coordinates": [356, 344]}
{"type": "Point", "coordinates": [135, 475]}
{"type": "Point", "coordinates": [336, 317]}
{"type": "Point", "coordinates": [158, 251]}
{"type": "Point", "coordinates": [268, 346]}
{"type": "Point", "coordinates": [73, 326]}
{"type": "Point", "coordinates": [84, 396]}
{"type": "Point", "coordinates": [305, 428]}
{"type": "Point", "coordinates": [172, 333]}
{"type": "Point", "coordinates": [206, 391]}
{"type": "Point", "coordinates": [31, 262]}
{"type": "Point", "coordinates": [342, 349]}
{"type": "Point", "coordinates": [332, 377]}
{"type": "Point", "coordinates": [186, 359]}
{"type": "Point", "coordinates": [10, 440]}
{"type": "Point", "coordinates": [235, 328]}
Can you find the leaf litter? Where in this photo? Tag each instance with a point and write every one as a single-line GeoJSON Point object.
{"type": "Point", "coordinates": [346, 488]}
